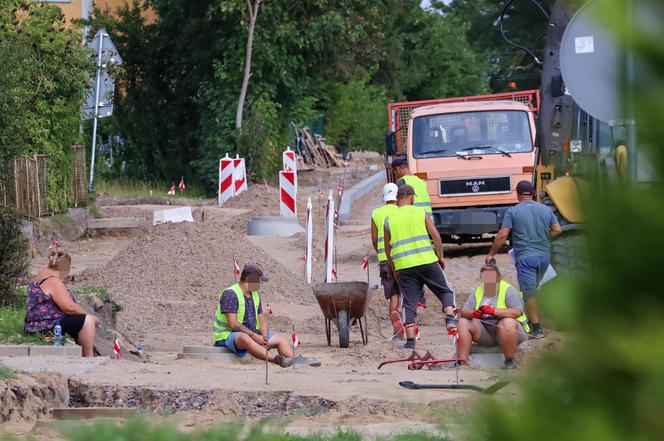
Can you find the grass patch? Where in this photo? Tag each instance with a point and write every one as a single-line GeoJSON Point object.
{"type": "Point", "coordinates": [144, 430]}
{"type": "Point", "coordinates": [102, 294]}
{"type": "Point", "coordinates": [7, 373]}
{"type": "Point", "coordinates": [12, 319]}
{"type": "Point", "coordinates": [122, 187]}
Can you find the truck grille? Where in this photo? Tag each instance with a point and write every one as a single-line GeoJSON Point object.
{"type": "Point", "coordinates": [457, 187]}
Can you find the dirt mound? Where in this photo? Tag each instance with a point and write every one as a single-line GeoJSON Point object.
{"type": "Point", "coordinates": [29, 397]}
{"type": "Point", "coordinates": [172, 276]}
{"type": "Point", "coordinates": [262, 199]}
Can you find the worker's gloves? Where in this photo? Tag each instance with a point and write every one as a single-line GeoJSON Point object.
{"type": "Point", "coordinates": [477, 314]}
{"type": "Point", "coordinates": [488, 310]}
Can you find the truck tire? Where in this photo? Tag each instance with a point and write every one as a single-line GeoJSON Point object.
{"type": "Point", "coordinates": [569, 255]}
{"type": "Point", "coordinates": [342, 327]}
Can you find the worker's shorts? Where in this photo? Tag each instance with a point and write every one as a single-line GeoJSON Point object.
{"type": "Point", "coordinates": [230, 343]}
{"type": "Point", "coordinates": [412, 281]}
{"type": "Point", "coordinates": [529, 272]}
{"type": "Point", "coordinates": [489, 334]}
{"type": "Point", "coordinates": [390, 285]}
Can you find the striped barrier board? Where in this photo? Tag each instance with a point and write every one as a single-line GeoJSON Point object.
{"type": "Point", "coordinates": [239, 175]}
{"type": "Point", "coordinates": [289, 160]}
{"type": "Point", "coordinates": [288, 193]}
{"type": "Point", "coordinates": [226, 172]}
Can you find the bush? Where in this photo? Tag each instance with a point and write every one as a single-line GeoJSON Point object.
{"type": "Point", "coordinates": [13, 255]}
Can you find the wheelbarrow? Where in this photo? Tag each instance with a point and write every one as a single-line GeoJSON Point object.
{"type": "Point", "coordinates": [342, 302]}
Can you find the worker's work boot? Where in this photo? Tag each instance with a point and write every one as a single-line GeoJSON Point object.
{"type": "Point", "coordinates": [410, 344]}
{"type": "Point", "coordinates": [282, 361]}
{"type": "Point", "coordinates": [510, 364]}
{"type": "Point", "coordinates": [536, 332]}
{"type": "Point", "coordinates": [451, 322]}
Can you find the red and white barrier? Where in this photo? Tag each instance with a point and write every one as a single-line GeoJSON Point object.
{"type": "Point", "coordinates": [330, 270]}
{"type": "Point", "coordinates": [226, 172]}
{"type": "Point", "coordinates": [239, 175]}
{"type": "Point", "coordinates": [288, 193]}
{"type": "Point", "coordinates": [289, 160]}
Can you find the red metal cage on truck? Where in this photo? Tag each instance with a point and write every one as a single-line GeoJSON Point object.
{"type": "Point", "coordinates": [398, 113]}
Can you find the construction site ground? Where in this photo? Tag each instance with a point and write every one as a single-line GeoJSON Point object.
{"type": "Point", "coordinates": [168, 278]}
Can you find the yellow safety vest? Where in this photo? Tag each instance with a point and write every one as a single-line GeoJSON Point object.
{"type": "Point", "coordinates": [500, 301]}
{"type": "Point", "coordinates": [378, 216]}
{"type": "Point", "coordinates": [409, 239]}
{"type": "Point", "coordinates": [421, 193]}
{"type": "Point", "coordinates": [221, 328]}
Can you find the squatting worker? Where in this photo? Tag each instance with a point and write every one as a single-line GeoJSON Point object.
{"type": "Point", "coordinates": [403, 176]}
{"type": "Point", "coordinates": [493, 315]}
{"type": "Point", "coordinates": [532, 225]}
{"type": "Point", "coordinates": [240, 324]}
{"type": "Point", "coordinates": [50, 302]}
{"type": "Point", "coordinates": [415, 262]}
{"type": "Point", "coordinates": [390, 286]}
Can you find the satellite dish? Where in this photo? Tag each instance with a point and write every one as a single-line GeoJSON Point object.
{"type": "Point", "coordinates": [591, 64]}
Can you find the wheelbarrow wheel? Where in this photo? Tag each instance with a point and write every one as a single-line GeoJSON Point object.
{"type": "Point", "coordinates": [342, 326]}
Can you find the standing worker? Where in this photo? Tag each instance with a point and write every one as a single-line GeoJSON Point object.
{"type": "Point", "coordinates": [387, 279]}
{"type": "Point", "coordinates": [415, 261]}
{"type": "Point", "coordinates": [532, 225]}
{"type": "Point", "coordinates": [403, 176]}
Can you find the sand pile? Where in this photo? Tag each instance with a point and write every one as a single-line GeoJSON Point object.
{"type": "Point", "coordinates": [171, 276]}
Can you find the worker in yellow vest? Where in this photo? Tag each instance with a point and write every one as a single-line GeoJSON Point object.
{"type": "Point", "coordinates": [403, 176]}
{"type": "Point", "coordinates": [390, 286]}
{"type": "Point", "coordinates": [493, 315]}
{"type": "Point", "coordinates": [240, 324]}
{"type": "Point", "coordinates": [415, 261]}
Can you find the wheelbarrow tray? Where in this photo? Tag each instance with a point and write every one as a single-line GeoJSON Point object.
{"type": "Point", "coordinates": [340, 302]}
{"type": "Point", "coordinates": [343, 296]}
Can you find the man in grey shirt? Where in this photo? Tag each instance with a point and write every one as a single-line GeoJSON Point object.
{"type": "Point", "coordinates": [532, 225]}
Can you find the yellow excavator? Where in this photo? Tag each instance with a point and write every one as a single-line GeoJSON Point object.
{"type": "Point", "coordinates": [582, 130]}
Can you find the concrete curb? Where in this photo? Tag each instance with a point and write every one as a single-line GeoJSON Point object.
{"type": "Point", "coordinates": [40, 351]}
{"type": "Point", "coordinates": [356, 192]}
{"type": "Point", "coordinates": [274, 226]}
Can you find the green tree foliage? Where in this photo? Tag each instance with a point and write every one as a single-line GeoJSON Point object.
{"type": "Point", "coordinates": [608, 382]}
{"type": "Point", "coordinates": [524, 24]}
{"type": "Point", "coordinates": [43, 75]}
{"type": "Point", "coordinates": [13, 254]}
{"type": "Point", "coordinates": [182, 75]}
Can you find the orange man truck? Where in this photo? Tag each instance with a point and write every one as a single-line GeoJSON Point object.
{"type": "Point", "coordinates": [471, 152]}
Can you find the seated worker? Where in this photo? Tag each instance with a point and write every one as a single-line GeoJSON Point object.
{"type": "Point", "coordinates": [240, 324]}
{"type": "Point", "coordinates": [50, 302]}
{"type": "Point", "coordinates": [493, 315]}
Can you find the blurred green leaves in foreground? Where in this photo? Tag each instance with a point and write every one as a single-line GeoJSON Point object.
{"type": "Point", "coordinates": [608, 382]}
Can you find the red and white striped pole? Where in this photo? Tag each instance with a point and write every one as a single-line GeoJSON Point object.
{"type": "Point", "coordinates": [226, 171]}
{"type": "Point", "coordinates": [289, 160]}
{"type": "Point", "coordinates": [330, 270]}
{"type": "Point", "coordinates": [239, 175]}
{"type": "Point", "coordinates": [288, 193]}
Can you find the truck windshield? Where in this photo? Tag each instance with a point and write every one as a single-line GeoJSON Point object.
{"type": "Point", "coordinates": [471, 133]}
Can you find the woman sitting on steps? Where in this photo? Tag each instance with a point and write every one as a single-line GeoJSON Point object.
{"type": "Point", "coordinates": [50, 302]}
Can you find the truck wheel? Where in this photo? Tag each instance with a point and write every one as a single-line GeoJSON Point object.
{"type": "Point", "coordinates": [569, 255]}
{"type": "Point", "coordinates": [342, 327]}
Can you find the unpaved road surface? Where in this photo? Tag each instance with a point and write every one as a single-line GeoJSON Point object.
{"type": "Point", "coordinates": [168, 280]}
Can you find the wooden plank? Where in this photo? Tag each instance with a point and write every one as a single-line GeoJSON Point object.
{"type": "Point", "coordinates": [86, 413]}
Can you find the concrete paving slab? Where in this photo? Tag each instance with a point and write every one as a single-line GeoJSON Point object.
{"type": "Point", "coordinates": [87, 413]}
{"type": "Point", "coordinates": [274, 226]}
{"type": "Point", "coordinates": [491, 360]}
{"type": "Point", "coordinates": [56, 351]}
{"type": "Point", "coordinates": [226, 358]}
{"type": "Point", "coordinates": [14, 350]}
{"type": "Point", "coordinates": [192, 349]}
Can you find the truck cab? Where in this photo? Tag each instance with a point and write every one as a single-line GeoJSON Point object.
{"type": "Point", "coordinates": [471, 154]}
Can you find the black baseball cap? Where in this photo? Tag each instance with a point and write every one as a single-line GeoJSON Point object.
{"type": "Point", "coordinates": [525, 187]}
{"type": "Point", "coordinates": [399, 161]}
{"type": "Point", "coordinates": [405, 190]}
{"type": "Point", "coordinates": [251, 269]}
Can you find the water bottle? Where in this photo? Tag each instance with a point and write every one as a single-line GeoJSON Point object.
{"type": "Point", "coordinates": [57, 333]}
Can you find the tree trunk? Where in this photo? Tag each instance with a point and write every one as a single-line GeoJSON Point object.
{"type": "Point", "coordinates": [253, 15]}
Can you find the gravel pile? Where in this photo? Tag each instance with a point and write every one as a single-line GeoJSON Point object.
{"type": "Point", "coordinates": [172, 276]}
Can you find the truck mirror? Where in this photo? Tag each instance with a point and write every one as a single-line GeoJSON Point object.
{"type": "Point", "coordinates": [390, 144]}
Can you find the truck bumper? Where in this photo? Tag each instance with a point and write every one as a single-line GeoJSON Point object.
{"type": "Point", "coordinates": [471, 221]}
